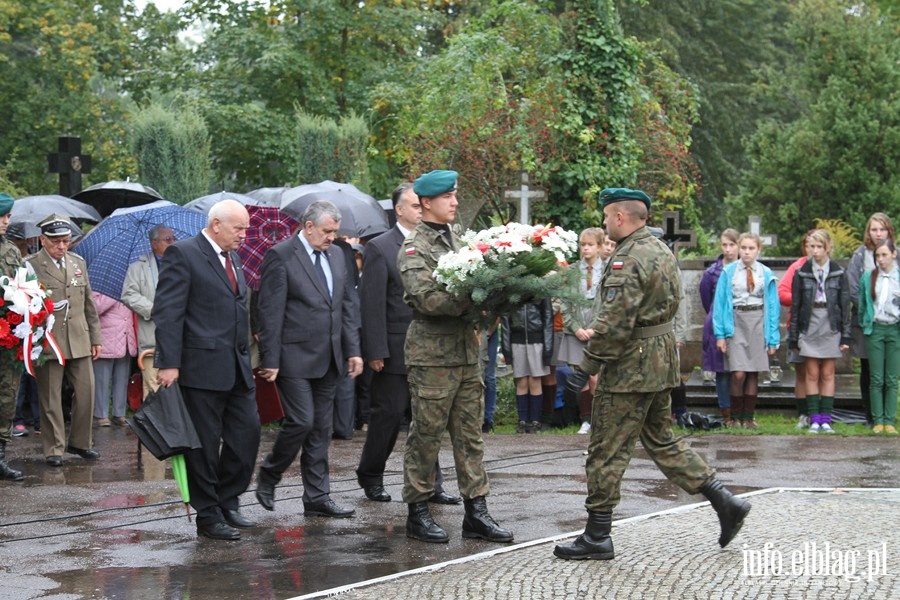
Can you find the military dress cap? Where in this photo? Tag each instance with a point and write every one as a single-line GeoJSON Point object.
{"type": "Point", "coordinates": [435, 183]}
{"type": "Point", "coordinates": [6, 203]}
{"type": "Point", "coordinates": [611, 195]}
{"type": "Point", "coordinates": [55, 226]}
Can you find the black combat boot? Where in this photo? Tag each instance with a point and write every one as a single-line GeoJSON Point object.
{"type": "Point", "coordinates": [7, 472]}
{"type": "Point", "coordinates": [593, 544]}
{"type": "Point", "coordinates": [479, 524]}
{"type": "Point", "coordinates": [730, 508]}
{"type": "Point", "coordinates": [420, 525]}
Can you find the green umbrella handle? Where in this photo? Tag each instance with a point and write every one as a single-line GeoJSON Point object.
{"type": "Point", "coordinates": [179, 472]}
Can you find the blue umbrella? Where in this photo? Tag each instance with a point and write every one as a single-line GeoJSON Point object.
{"type": "Point", "coordinates": [204, 203]}
{"type": "Point", "coordinates": [121, 238]}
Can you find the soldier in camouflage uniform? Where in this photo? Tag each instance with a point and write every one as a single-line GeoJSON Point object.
{"type": "Point", "coordinates": [633, 352]}
{"type": "Point", "coordinates": [442, 359]}
{"type": "Point", "coordinates": [10, 260]}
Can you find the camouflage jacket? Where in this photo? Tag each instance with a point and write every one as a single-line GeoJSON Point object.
{"type": "Point", "coordinates": [10, 259]}
{"type": "Point", "coordinates": [437, 335]}
{"type": "Point", "coordinates": [641, 288]}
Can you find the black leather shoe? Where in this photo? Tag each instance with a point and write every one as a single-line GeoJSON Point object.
{"type": "Point", "coordinates": [236, 519]}
{"type": "Point", "coordinates": [89, 454]}
{"type": "Point", "coordinates": [219, 531]}
{"type": "Point", "coordinates": [420, 525]}
{"type": "Point", "coordinates": [594, 544]}
{"type": "Point", "coordinates": [329, 508]}
{"type": "Point", "coordinates": [443, 497]}
{"type": "Point", "coordinates": [731, 509]}
{"type": "Point", "coordinates": [8, 473]}
{"type": "Point", "coordinates": [265, 494]}
{"type": "Point", "coordinates": [376, 493]}
{"type": "Point", "coordinates": [54, 461]}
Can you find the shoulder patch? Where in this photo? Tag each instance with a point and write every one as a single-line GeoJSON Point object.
{"type": "Point", "coordinates": [409, 251]}
{"type": "Point", "coordinates": [617, 264]}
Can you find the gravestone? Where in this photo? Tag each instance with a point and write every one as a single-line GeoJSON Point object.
{"type": "Point", "coordinates": [524, 195]}
{"type": "Point", "coordinates": [70, 163]}
{"type": "Point", "coordinates": [755, 226]}
{"type": "Point", "coordinates": [673, 235]}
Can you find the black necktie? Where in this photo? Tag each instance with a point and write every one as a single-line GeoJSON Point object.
{"type": "Point", "coordinates": [229, 270]}
{"type": "Point", "coordinates": [320, 270]}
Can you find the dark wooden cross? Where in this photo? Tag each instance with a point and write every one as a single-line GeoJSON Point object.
{"type": "Point", "coordinates": [70, 163]}
{"type": "Point", "coordinates": [673, 235]}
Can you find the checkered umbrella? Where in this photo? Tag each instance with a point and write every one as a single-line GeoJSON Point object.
{"type": "Point", "coordinates": [121, 238]}
{"type": "Point", "coordinates": [268, 226]}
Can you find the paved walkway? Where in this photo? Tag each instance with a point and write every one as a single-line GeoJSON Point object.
{"type": "Point", "coordinates": [796, 543]}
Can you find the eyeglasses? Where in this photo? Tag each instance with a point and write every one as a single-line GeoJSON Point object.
{"type": "Point", "coordinates": [168, 238]}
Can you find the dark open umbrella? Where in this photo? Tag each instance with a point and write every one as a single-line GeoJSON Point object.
{"type": "Point", "coordinates": [110, 195]}
{"type": "Point", "coordinates": [268, 196]}
{"type": "Point", "coordinates": [204, 203]}
{"type": "Point", "coordinates": [163, 425]}
{"type": "Point", "coordinates": [361, 215]}
{"type": "Point", "coordinates": [28, 211]}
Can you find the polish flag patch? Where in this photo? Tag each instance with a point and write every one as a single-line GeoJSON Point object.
{"type": "Point", "coordinates": [618, 265]}
{"type": "Point", "coordinates": [410, 251]}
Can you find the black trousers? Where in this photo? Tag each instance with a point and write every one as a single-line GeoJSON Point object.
{"type": "Point", "coordinates": [389, 396]}
{"type": "Point", "coordinates": [227, 424]}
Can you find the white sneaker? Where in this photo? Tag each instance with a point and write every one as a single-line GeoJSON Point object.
{"type": "Point", "coordinates": [585, 428]}
{"type": "Point", "coordinates": [814, 428]}
{"type": "Point", "coordinates": [803, 422]}
{"type": "Point", "coordinates": [826, 428]}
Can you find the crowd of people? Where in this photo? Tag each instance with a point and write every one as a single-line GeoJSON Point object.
{"type": "Point", "coordinates": [328, 313]}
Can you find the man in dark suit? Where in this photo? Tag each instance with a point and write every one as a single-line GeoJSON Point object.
{"type": "Point", "coordinates": [385, 319]}
{"type": "Point", "coordinates": [307, 326]}
{"type": "Point", "coordinates": [202, 337]}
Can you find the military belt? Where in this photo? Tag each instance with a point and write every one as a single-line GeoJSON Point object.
{"type": "Point", "coordinates": [642, 333]}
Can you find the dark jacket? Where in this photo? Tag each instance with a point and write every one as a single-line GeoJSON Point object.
{"type": "Point", "coordinates": [803, 295]}
{"type": "Point", "coordinates": [531, 324]}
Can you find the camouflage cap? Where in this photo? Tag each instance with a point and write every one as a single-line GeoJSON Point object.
{"type": "Point", "coordinates": [611, 195]}
{"type": "Point", "coordinates": [435, 183]}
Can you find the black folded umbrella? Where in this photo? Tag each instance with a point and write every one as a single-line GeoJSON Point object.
{"type": "Point", "coordinates": [163, 424]}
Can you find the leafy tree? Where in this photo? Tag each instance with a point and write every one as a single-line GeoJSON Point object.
{"type": "Point", "coordinates": [832, 150]}
{"type": "Point", "coordinates": [331, 150]}
{"type": "Point", "coordinates": [56, 59]}
{"type": "Point", "coordinates": [173, 152]}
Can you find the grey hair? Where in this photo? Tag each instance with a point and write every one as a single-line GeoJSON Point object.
{"type": "Point", "coordinates": [154, 232]}
{"type": "Point", "coordinates": [318, 210]}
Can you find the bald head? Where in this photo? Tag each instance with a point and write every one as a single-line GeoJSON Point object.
{"type": "Point", "coordinates": [227, 224]}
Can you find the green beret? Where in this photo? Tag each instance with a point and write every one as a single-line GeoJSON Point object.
{"type": "Point", "coordinates": [6, 203]}
{"type": "Point", "coordinates": [55, 226]}
{"type": "Point", "coordinates": [435, 183]}
{"type": "Point", "coordinates": [612, 195]}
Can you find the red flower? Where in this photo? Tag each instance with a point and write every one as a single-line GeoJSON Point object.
{"type": "Point", "coordinates": [483, 247]}
{"type": "Point", "coordinates": [19, 355]}
{"type": "Point", "coordinates": [48, 304]}
{"type": "Point", "coordinates": [4, 328]}
{"type": "Point", "coordinates": [14, 318]}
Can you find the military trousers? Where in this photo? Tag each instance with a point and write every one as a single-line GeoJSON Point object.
{"type": "Point", "coordinates": [617, 422]}
{"type": "Point", "coordinates": [445, 399]}
{"type": "Point", "coordinates": [9, 389]}
{"type": "Point", "coordinates": [49, 378]}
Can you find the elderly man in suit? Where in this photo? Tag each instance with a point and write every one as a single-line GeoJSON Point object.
{"type": "Point", "coordinates": [308, 335]}
{"type": "Point", "coordinates": [77, 332]}
{"type": "Point", "coordinates": [202, 343]}
{"type": "Point", "coordinates": [385, 319]}
{"type": "Point", "coordinates": [138, 292]}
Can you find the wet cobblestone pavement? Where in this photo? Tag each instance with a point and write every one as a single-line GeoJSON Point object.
{"type": "Point", "coordinates": [111, 530]}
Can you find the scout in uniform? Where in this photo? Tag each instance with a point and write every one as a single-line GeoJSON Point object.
{"type": "Point", "coordinates": [633, 353]}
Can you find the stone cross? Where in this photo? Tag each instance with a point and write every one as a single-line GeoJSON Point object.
{"type": "Point", "coordinates": [524, 195]}
{"type": "Point", "coordinates": [70, 163]}
{"type": "Point", "coordinates": [768, 239]}
{"type": "Point", "coordinates": [673, 235]}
